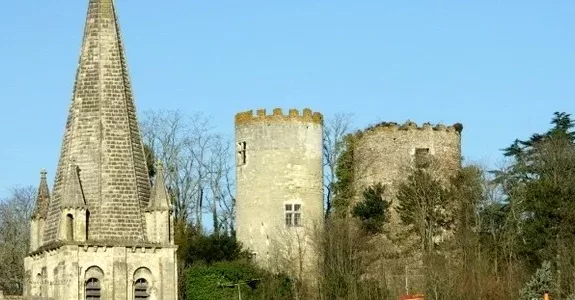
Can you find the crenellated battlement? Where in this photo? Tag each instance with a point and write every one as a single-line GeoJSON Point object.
{"type": "Point", "coordinates": [409, 125]}
{"type": "Point", "coordinates": [307, 115]}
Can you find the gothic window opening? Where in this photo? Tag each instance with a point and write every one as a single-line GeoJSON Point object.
{"type": "Point", "coordinates": [293, 215]}
{"type": "Point", "coordinates": [93, 289]}
{"type": "Point", "coordinates": [141, 289]}
{"type": "Point", "coordinates": [422, 158]}
{"type": "Point", "coordinates": [242, 153]}
{"type": "Point", "coordinates": [70, 227]}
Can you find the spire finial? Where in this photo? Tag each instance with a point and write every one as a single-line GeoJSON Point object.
{"type": "Point", "coordinates": [43, 173]}
{"type": "Point", "coordinates": [159, 166]}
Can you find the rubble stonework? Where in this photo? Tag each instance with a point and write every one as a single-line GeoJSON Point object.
{"type": "Point", "coordinates": [102, 230]}
{"type": "Point", "coordinates": [386, 153]}
{"type": "Point", "coordinates": [278, 163]}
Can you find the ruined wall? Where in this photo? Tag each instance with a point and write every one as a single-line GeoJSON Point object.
{"type": "Point", "coordinates": [386, 153]}
{"type": "Point", "coordinates": [278, 162]}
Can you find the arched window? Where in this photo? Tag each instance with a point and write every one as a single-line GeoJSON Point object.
{"type": "Point", "coordinates": [93, 289]}
{"type": "Point", "coordinates": [70, 227]}
{"type": "Point", "coordinates": [141, 289]}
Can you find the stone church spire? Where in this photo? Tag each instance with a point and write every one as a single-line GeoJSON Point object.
{"type": "Point", "coordinates": [102, 142]}
{"type": "Point", "coordinates": [101, 235]}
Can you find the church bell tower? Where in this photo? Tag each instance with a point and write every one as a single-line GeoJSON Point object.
{"type": "Point", "coordinates": [105, 231]}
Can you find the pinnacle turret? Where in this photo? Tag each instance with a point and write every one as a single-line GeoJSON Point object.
{"type": "Point", "coordinates": [41, 207]}
{"type": "Point", "coordinates": [159, 199]}
{"type": "Point", "coordinates": [73, 195]}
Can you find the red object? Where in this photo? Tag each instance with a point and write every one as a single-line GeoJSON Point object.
{"type": "Point", "coordinates": [413, 297]}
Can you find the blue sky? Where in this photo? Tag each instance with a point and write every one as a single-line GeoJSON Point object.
{"type": "Point", "coordinates": [499, 67]}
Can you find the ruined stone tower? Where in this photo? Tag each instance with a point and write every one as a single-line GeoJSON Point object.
{"type": "Point", "coordinates": [386, 153]}
{"type": "Point", "coordinates": [279, 185]}
{"type": "Point", "coordinates": [105, 232]}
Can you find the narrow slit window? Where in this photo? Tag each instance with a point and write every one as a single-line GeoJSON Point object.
{"type": "Point", "coordinates": [44, 282]}
{"type": "Point", "coordinates": [242, 153]}
{"type": "Point", "coordinates": [70, 227]}
{"type": "Point", "coordinates": [87, 223]}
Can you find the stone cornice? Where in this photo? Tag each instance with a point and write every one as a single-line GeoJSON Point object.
{"type": "Point", "coordinates": [127, 244]}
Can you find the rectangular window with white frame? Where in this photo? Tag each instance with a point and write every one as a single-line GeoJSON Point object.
{"type": "Point", "coordinates": [293, 215]}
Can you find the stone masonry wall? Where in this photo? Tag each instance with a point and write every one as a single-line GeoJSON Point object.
{"type": "Point", "coordinates": [67, 269]}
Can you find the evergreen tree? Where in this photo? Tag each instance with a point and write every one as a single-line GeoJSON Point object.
{"type": "Point", "coordinates": [540, 190]}
{"type": "Point", "coordinates": [424, 205]}
{"type": "Point", "coordinates": [343, 187]}
{"type": "Point", "coordinates": [373, 211]}
{"type": "Point", "coordinates": [541, 282]}
{"type": "Point", "coordinates": [540, 182]}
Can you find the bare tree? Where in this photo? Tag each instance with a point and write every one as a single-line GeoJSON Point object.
{"type": "Point", "coordinates": [175, 140]}
{"type": "Point", "coordinates": [218, 169]}
{"type": "Point", "coordinates": [164, 133]}
{"type": "Point", "coordinates": [334, 133]}
{"type": "Point", "coordinates": [15, 214]}
{"type": "Point", "coordinates": [197, 164]}
{"type": "Point", "coordinates": [198, 143]}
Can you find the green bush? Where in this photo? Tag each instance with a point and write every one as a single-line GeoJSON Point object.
{"type": "Point", "coordinates": [219, 281]}
{"type": "Point", "coordinates": [214, 248]}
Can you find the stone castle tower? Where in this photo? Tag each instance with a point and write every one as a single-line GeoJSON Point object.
{"type": "Point", "coordinates": [105, 232]}
{"type": "Point", "coordinates": [279, 185]}
{"type": "Point", "coordinates": [386, 153]}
